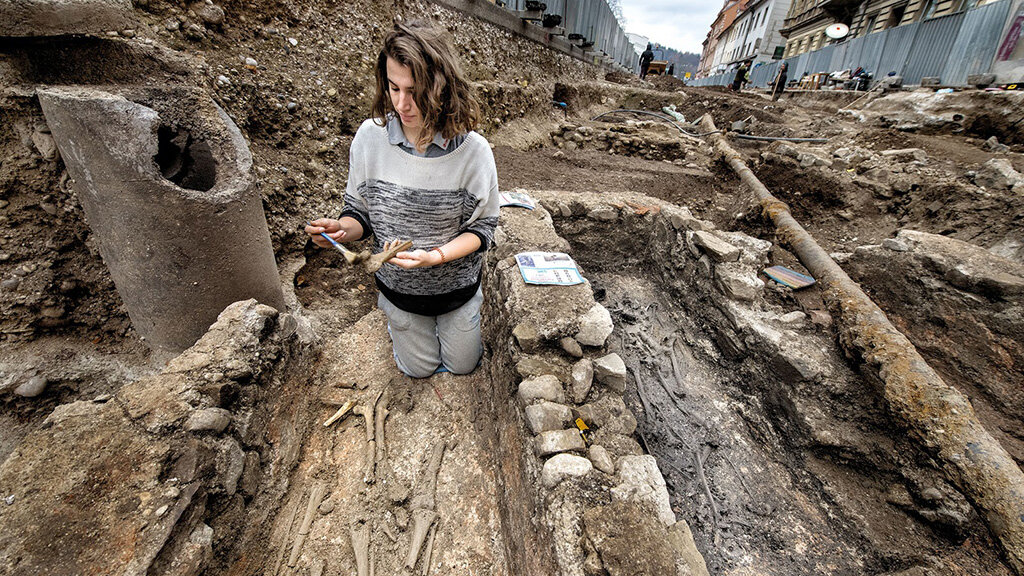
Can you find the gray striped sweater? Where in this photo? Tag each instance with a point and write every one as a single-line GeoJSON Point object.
{"type": "Point", "coordinates": [398, 196]}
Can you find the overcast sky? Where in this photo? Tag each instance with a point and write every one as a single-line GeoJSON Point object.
{"type": "Point", "coordinates": [679, 24]}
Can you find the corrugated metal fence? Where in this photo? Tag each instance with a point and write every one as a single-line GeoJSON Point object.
{"type": "Point", "coordinates": [913, 51]}
{"type": "Point", "coordinates": [594, 20]}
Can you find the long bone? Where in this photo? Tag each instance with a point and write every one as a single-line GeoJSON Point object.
{"type": "Point", "coordinates": [423, 505]}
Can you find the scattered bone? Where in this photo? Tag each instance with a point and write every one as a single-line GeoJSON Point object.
{"type": "Point", "coordinates": [373, 263]}
{"type": "Point", "coordinates": [422, 520]}
{"type": "Point", "coordinates": [315, 496]}
{"type": "Point", "coordinates": [423, 504]}
{"type": "Point", "coordinates": [361, 547]}
{"type": "Point", "coordinates": [284, 541]}
{"type": "Point", "coordinates": [430, 551]}
{"type": "Point", "coordinates": [371, 448]}
{"type": "Point", "coordinates": [340, 413]}
{"type": "Point", "coordinates": [388, 532]}
{"type": "Point", "coordinates": [382, 414]}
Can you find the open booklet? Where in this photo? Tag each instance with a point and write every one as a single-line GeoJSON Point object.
{"type": "Point", "coordinates": [554, 268]}
{"type": "Point", "coordinates": [516, 198]}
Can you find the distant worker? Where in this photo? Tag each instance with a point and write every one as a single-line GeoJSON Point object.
{"type": "Point", "coordinates": [779, 84]}
{"type": "Point", "coordinates": [645, 61]}
{"type": "Point", "coordinates": [740, 78]}
{"type": "Point", "coordinates": [672, 69]}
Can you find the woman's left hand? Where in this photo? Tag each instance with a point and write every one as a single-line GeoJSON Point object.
{"type": "Point", "coordinates": [416, 259]}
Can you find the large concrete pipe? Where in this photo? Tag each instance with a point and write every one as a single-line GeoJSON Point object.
{"type": "Point", "coordinates": [934, 413]}
{"type": "Point", "coordinates": [163, 176]}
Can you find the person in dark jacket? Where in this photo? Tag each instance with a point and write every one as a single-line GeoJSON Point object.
{"type": "Point", "coordinates": [645, 61]}
{"type": "Point", "coordinates": [740, 78]}
{"type": "Point", "coordinates": [779, 85]}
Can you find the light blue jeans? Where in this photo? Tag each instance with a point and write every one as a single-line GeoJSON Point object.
{"type": "Point", "coordinates": [422, 344]}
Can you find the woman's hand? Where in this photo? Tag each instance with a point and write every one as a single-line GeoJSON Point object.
{"type": "Point", "coordinates": [416, 259]}
{"type": "Point", "coordinates": [328, 226]}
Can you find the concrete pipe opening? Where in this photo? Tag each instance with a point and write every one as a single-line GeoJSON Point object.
{"type": "Point", "coordinates": [184, 161]}
{"type": "Point", "coordinates": [164, 179]}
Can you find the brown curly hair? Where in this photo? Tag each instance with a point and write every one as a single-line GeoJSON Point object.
{"type": "Point", "coordinates": [443, 96]}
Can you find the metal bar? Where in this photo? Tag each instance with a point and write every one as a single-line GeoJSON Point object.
{"type": "Point", "coordinates": [935, 414]}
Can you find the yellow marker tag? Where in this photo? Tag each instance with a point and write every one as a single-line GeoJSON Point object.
{"type": "Point", "coordinates": [583, 428]}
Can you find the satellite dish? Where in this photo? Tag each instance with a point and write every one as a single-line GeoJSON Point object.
{"type": "Point", "coordinates": [837, 31]}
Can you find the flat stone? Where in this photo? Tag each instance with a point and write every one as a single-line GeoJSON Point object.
{"type": "Point", "coordinates": [629, 540]}
{"type": "Point", "coordinates": [580, 380]}
{"type": "Point", "coordinates": [993, 144]}
{"type": "Point", "coordinates": [595, 326]}
{"type": "Point", "coordinates": [602, 459]}
{"type": "Point", "coordinates": [534, 365]}
{"type": "Point", "coordinates": [571, 347]}
{"type": "Point", "coordinates": [609, 414]}
{"type": "Point", "coordinates": [547, 416]}
{"type": "Point", "coordinates": [895, 244]}
{"type": "Point", "coordinates": [680, 537]}
{"type": "Point", "coordinates": [558, 441]}
{"type": "Point", "coordinates": [610, 370]}
{"type": "Point", "coordinates": [527, 336]}
{"type": "Point", "coordinates": [906, 155]}
{"type": "Point", "coordinates": [546, 387]}
{"type": "Point", "coordinates": [981, 80]}
{"type": "Point", "coordinates": [640, 480]}
{"type": "Point", "coordinates": [563, 466]}
{"type": "Point", "coordinates": [737, 282]}
{"type": "Point", "coordinates": [795, 318]}
{"type": "Point", "coordinates": [603, 213]}
{"type": "Point", "coordinates": [45, 145]}
{"type": "Point", "coordinates": [718, 249]}
{"type": "Point", "coordinates": [33, 387]}
{"type": "Point", "coordinates": [209, 420]}
{"type": "Point", "coordinates": [230, 465]}
{"type": "Point", "coordinates": [997, 174]}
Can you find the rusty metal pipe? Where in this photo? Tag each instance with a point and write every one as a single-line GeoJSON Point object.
{"type": "Point", "coordinates": [935, 414]}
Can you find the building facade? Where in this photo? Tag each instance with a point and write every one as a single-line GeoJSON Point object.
{"type": "Point", "coordinates": [805, 24]}
{"type": "Point", "coordinates": [755, 32]}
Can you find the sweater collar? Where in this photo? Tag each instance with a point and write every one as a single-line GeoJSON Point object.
{"type": "Point", "coordinates": [396, 136]}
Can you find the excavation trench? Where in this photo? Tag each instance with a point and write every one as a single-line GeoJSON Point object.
{"type": "Point", "coordinates": [776, 450]}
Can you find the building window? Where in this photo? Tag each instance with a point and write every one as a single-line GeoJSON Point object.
{"type": "Point", "coordinates": [895, 16]}
{"type": "Point", "coordinates": [869, 25]}
{"type": "Point", "coordinates": [929, 9]}
{"type": "Point", "coordinates": [968, 5]}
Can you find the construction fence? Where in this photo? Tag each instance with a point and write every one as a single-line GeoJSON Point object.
{"type": "Point", "coordinates": [949, 47]}
{"type": "Point", "coordinates": [587, 21]}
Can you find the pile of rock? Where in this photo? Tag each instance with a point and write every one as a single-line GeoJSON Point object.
{"type": "Point", "coordinates": [649, 140]}
{"type": "Point", "coordinates": [570, 380]}
{"type": "Point", "coordinates": [590, 470]}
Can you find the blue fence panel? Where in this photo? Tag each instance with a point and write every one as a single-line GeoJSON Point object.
{"type": "Point", "coordinates": [930, 52]}
{"type": "Point", "coordinates": [975, 45]}
{"type": "Point", "coordinates": [898, 42]}
{"type": "Point", "coordinates": [839, 56]}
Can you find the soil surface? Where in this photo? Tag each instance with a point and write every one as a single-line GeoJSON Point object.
{"type": "Point", "coordinates": [759, 500]}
